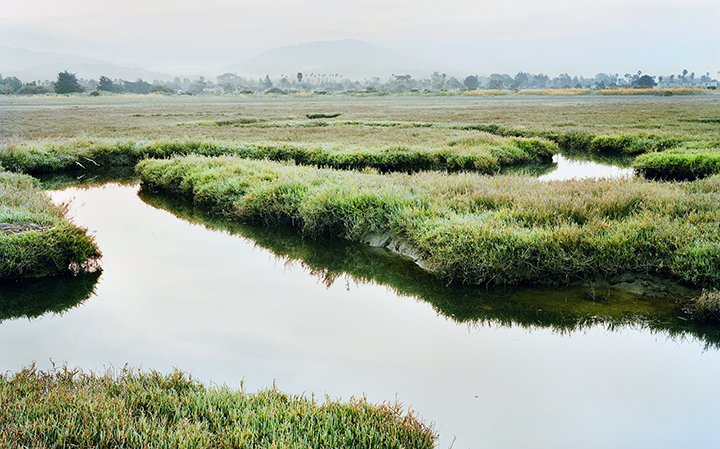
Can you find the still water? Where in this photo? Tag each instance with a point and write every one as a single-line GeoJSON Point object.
{"type": "Point", "coordinates": [490, 369]}
{"type": "Point", "coordinates": [566, 168]}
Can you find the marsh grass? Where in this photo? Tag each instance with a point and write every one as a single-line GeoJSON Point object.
{"type": "Point", "coordinates": [663, 92]}
{"type": "Point", "coordinates": [705, 308]}
{"type": "Point", "coordinates": [487, 155]}
{"type": "Point", "coordinates": [621, 144]}
{"type": "Point", "coordinates": [562, 309]}
{"type": "Point", "coordinates": [35, 238]}
{"type": "Point", "coordinates": [682, 164]}
{"type": "Point", "coordinates": [66, 408]}
{"type": "Point", "coordinates": [323, 115]}
{"type": "Point", "coordinates": [470, 228]}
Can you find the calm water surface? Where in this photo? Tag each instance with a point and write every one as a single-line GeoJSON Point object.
{"type": "Point", "coordinates": [578, 169]}
{"type": "Point", "coordinates": [334, 319]}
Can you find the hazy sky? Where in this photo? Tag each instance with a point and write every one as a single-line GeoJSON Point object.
{"type": "Point", "coordinates": [480, 36]}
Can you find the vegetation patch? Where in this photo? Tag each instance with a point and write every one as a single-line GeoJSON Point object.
{"type": "Point", "coordinates": [69, 408]}
{"type": "Point", "coordinates": [705, 308]}
{"type": "Point", "coordinates": [629, 300]}
{"type": "Point", "coordinates": [321, 115]}
{"type": "Point", "coordinates": [482, 155]}
{"type": "Point", "coordinates": [621, 144]}
{"type": "Point", "coordinates": [35, 239]}
{"type": "Point", "coordinates": [470, 228]}
{"type": "Point", "coordinates": [681, 164]}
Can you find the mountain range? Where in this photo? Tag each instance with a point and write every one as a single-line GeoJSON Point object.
{"type": "Point", "coordinates": [31, 65]}
{"type": "Point", "coordinates": [349, 58]}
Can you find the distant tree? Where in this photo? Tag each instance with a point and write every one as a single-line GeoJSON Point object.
{"type": "Point", "coordinates": [522, 80]}
{"type": "Point", "coordinates": [9, 85]}
{"type": "Point", "coordinates": [284, 83]}
{"type": "Point", "coordinates": [541, 81]}
{"type": "Point", "coordinates": [299, 77]}
{"type": "Point", "coordinates": [644, 81]}
{"type": "Point", "coordinates": [471, 82]}
{"type": "Point", "coordinates": [107, 85]}
{"type": "Point", "coordinates": [137, 87]}
{"type": "Point", "coordinates": [500, 81]}
{"type": "Point", "coordinates": [437, 80]}
{"type": "Point", "coordinates": [229, 82]}
{"type": "Point", "coordinates": [67, 83]}
{"type": "Point", "coordinates": [267, 82]}
{"type": "Point", "coordinates": [33, 89]}
{"type": "Point", "coordinates": [454, 84]}
{"type": "Point", "coordinates": [197, 86]}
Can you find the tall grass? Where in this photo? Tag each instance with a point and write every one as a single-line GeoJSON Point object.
{"type": "Point", "coordinates": [485, 155]}
{"type": "Point", "coordinates": [35, 239]}
{"type": "Point", "coordinates": [679, 164]}
{"type": "Point", "coordinates": [470, 228]}
{"type": "Point", "coordinates": [619, 144]}
{"type": "Point", "coordinates": [336, 261]}
{"type": "Point", "coordinates": [66, 408]}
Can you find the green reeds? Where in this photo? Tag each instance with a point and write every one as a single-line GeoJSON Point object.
{"type": "Point", "coordinates": [67, 408]}
{"type": "Point", "coordinates": [471, 228]}
{"type": "Point", "coordinates": [35, 239]}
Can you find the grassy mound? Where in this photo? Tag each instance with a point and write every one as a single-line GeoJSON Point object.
{"type": "Point", "coordinates": [66, 408]}
{"type": "Point", "coordinates": [487, 155]}
{"type": "Point", "coordinates": [35, 239]}
{"type": "Point", "coordinates": [619, 145]}
{"type": "Point", "coordinates": [679, 164]}
{"type": "Point", "coordinates": [315, 116]}
{"type": "Point", "coordinates": [470, 228]}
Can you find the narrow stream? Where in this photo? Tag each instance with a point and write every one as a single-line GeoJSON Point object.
{"type": "Point", "coordinates": [580, 169]}
{"type": "Point", "coordinates": [490, 369]}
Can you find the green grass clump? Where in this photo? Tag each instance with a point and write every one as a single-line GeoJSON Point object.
{"type": "Point", "coordinates": [621, 144]}
{"type": "Point", "coordinates": [67, 408]}
{"type": "Point", "coordinates": [681, 164]}
{"type": "Point", "coordinates": [580, 142]}
{"type": "Point", "coordinates": [321, 115]}
{"type": "Point", "coordinates": [488, 155]}
{"type": "Point", "coordinates": [35, 239]}
{"type": "Point", "coordinates": [705, 308]}
{"type": "Point", "coordinates": [471, 228]}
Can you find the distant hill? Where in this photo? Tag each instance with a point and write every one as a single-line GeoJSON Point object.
{"type": "Point", "coordinates": [350, 58]}
{"type": "Point", "coordinates": [33, 65]}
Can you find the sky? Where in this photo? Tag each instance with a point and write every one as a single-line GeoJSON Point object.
{"type": "Point", "coordinates": [474, 36]}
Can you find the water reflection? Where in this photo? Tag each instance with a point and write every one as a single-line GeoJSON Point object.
{"type": "Point", "coordinates": [489, 370]}
{"type": "Point", "coordinates": [574, 167]}
{"type": "Point", "coordinates": [563, 310]}
{"type": "Point", "coordinates": [55, 294]}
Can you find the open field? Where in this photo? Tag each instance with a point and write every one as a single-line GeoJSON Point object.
{"type": "Point", "coordinates": [69, 408]}
{"type": "Point", "coordinates": [283, 119]}
{"type": "Point", "coordinates": [583, 126]}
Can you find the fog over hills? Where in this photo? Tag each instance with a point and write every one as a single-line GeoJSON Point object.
{"type": "Point", "coordinates": [33, 65]}
{"type": "Point", "coordinates": [350, 58]}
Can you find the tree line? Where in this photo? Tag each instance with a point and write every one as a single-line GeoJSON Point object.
{"type": "Point", "coordinates": [67, 82]}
